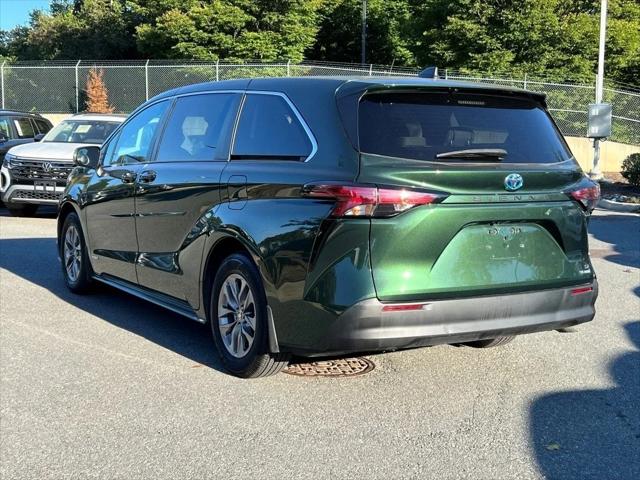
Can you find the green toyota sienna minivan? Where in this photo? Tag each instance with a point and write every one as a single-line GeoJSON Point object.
{"type": "Point", "coordinates": [326, 216]}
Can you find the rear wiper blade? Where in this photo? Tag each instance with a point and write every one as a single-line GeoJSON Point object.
{"type": "Point", "coordinates": [493, 153]}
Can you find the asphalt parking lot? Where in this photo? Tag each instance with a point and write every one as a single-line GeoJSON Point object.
{"type": "Point", "coordinates": [108, 386]}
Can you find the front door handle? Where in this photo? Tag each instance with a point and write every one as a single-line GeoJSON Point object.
{"type": "Point", "coordinates": [147, 176]}
{"type": "Point", "coordinates": [128, 176]}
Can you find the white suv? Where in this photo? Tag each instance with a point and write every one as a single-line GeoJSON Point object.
{"type": "Point", "coordinates": [36, 173]}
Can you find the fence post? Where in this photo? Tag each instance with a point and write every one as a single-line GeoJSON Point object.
{"type": "Point", "coordinates": [2, 81]}
{"type": "Point", "coordinates": [217, 70]}
{"type": "Point", "coordinates": [146, 80]}
{"type": "Point", "coordinates": [288, 68]}
{"type": "Point", "coordinates": [446, 73]}
{"type": "Point", "coordinates": [370, 69]}
{"type": "Point", "coordinates": [525, 81]}
{"type": "Point", "coordinates": [77, 88]}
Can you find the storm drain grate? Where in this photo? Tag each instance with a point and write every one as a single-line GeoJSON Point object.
{"type": "Point", "coordinates": [341, 367]}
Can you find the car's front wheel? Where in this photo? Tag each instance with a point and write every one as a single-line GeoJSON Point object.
{"type": "Point", "coordinates": [238, 311]}
{"type": "Point", "coordinates": [73, 253]}
{"type": "Point", "coordinates": [22, 209]}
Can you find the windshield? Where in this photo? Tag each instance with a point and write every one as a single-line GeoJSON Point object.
{"type": "Point", "coordinates": [458, 127]}
{"type": "Point", "coordinates": [81, 131]}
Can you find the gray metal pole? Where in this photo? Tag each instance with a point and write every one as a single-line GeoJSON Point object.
{"type": "Point", "coordinates": [77, 88]}
{"type": "Point", "coordinates": [218, 70]}
{"type": "Point", "coordinates": [595, 170]}
{"type": "Point", "coordinates": [146, 80]}
{"type": "Point", "coordinates": [2, 81]}
{"type": "Point", "coordinates": [363, 42]}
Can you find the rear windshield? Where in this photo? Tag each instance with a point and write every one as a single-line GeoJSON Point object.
{"type": "Point", "coordinates": [420, 126]}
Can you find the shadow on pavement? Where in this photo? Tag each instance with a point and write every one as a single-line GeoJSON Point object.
{"type": "Point", "coordinates": [44, 211]}
{"type": "Point", "coordinates": [592, 434]}
{"type": "Point", "coordinates": [35, 260]}
{"type": "Point", "coordinates": [609, 228]}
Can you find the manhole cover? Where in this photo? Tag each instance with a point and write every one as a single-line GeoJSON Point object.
{"type": "Point", "coordinates": [341, 367]}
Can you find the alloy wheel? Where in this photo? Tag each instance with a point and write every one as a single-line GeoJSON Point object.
{"type": "Point", "coordinates": [72, 253]}
{"type": "Point", "coordinates": [236, 315]}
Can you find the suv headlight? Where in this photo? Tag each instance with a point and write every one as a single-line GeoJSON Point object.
{"type": "Point", "coordinates": [7, 160]}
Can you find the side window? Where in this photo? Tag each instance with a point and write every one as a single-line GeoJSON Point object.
{"type": "Point", "coordinates": [5, 128]}
{"type": "Point", "coordinates": [136, 137]}
{"type": "Point", "coordinates": [196, 126]}
{"type": "Point", "coordinates": [24, 128]}
{"type": "Point", "coordinates": [269, 129]}
{"type": "Point", "coordinates": [43, 126]}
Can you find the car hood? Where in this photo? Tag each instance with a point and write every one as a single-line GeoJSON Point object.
{"type": "Point", "coordinates": [46, 151]}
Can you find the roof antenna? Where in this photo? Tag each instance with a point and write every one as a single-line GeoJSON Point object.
{"type": "Point", "coordinates": [429, 72]}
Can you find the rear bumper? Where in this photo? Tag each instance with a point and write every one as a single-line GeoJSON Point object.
{"type": "Point", "coordinates": [366, 327]}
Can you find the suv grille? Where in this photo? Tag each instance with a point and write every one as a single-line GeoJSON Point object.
{"type": "Point", "coordinates": [40, 170]}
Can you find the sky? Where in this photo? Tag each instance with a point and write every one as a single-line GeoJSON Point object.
{"type": "Point", "coordinates": [16, 12]}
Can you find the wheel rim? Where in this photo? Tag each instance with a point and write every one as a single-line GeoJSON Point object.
{"type": "Point", "coordinates": [72, 253]}
{"type": "Point", "coordinates": [236, 315]}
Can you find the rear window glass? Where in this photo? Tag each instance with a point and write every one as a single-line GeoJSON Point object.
{"type": "Point", "coordinates": [422, 126]}
{"type": "Point", "coordinates": [269, 130]}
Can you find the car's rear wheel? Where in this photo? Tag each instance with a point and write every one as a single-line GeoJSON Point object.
{"type": "Point", "coordinates": [22, 209]}
{"type": "Point", "coordinates": [238, 312]}
{"type": "Point", "coordinates": [73, 253]}
{"type": "Point", "coordinates": [490, 342]}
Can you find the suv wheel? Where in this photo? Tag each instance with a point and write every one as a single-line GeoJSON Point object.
{"type": "Point", "coordinates": [490, 342]}
{"type": "Point", "coordinates": [22, 210]}
{"type": "Point", "coordinates": [238, 312]}
{"type": "Point", "coordinates": [73, 252]}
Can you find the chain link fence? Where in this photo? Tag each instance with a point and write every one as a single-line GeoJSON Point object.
{"type": "Point", "coordinates": [58, 87]}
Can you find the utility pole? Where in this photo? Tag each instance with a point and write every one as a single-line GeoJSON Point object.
{"type": "Point", "coordinates": [363, 42]}
{"type": "Point", "coordinates": [595, 170]}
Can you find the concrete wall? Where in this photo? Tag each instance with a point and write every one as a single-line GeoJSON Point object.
{"type": "Point", "coordinates": [612, 154]}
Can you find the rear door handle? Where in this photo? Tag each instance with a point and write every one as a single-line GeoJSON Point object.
{"type": "Point", "coordinates": [147, 176]}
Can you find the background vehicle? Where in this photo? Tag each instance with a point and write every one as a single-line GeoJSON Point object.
{"type": "Point", "coordinates": [36, 174]}
{"type": "Point", "coordinates": [319, 215]}
{"type": "Point", "coordinates": [17, 128]}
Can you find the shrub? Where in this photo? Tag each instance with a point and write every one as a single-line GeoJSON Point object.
{"type": "Point", "coordinates": [631, 169]}
{"type": "Point", "coordinates": [97, 93]}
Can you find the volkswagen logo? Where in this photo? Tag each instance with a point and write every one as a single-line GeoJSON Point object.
{"type": "Point", "coordinates": [46, 166]}
{"type": "Point", "coordinates": [513, 182]}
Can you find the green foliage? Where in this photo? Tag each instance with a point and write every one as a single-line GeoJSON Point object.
{"type": "Point", "coordinates": [339, 37]}
{"type": "Point", "coordinates": [631, 169]}
{"type": "Point", "coordinates": [550, 38]}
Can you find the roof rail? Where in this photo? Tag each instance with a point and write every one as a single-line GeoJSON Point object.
{"type": "Point", "coordinates": [429, 72]}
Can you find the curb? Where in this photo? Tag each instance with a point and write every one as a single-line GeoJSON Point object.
{"type": "Point", "coordinates": [618, 206]}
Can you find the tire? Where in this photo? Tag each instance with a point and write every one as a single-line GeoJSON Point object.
{"type": "Point", "coordinates": [490, 342]}
{"type": "Point", "coordinates": [238, 319]}
{"type": "Point", "coordinates": [22, 210]}
{"type": "Point", "coordinates": [73, 251]}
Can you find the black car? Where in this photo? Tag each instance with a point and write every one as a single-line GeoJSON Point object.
{"type": "Point", "coordinates": [321, 216]}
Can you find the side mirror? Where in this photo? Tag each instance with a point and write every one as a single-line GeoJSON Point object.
{"type": "Point", "coordinates": [3, 137]}
{"type": "Point", "coordinates": [87, 156]}
{"type": "Point", "coordinates": [38, 137]}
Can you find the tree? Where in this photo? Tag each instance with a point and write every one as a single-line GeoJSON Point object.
{"type": "Point", "coordinates": [339, 38]}
{"type": "Point", "coordinates": [228, 29]}
{"type": "Point", "coordinates": [97, 93]}
{"type": "Point", "coordinates": [557, 38]}
{"type": "Point", "coordinates": [95, 29]}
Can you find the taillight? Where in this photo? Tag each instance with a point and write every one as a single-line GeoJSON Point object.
{"type": "Point", "coordinates": [587, 196]}
{"type": "Point", "coordinates": [370, 201]}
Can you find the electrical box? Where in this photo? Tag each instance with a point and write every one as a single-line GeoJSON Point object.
{"type": "Point", "coordinates": [599, 120]}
